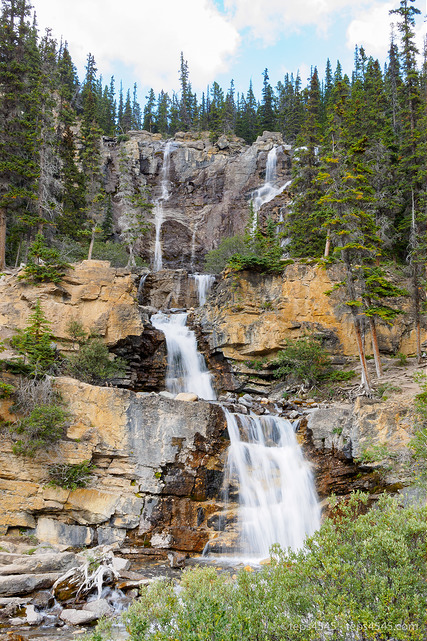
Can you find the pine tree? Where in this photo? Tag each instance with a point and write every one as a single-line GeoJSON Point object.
{"type": "Point", "coordinates": [216, 112]}
{"type": "Point", "coordinates": [412, 153]}
{"type": "Point", "coordinates": [347, 205]}
{"type": "Point", "coordinates": [90, 153]}
{"type": "Point", "coordinates": [18, 114]}
{"type": "Point", "coordinates": [266, 110]}
{"type": "Point", "coordinates": [149, 121]}
{"type": "Point", "coordinates": [304, 222]}
{"type": "Point", "coordinates": [246, 125]}
{"type": "Point", "coordinates": [229, 122]}
{"type": "Point", "coordinates": [136, 111]}
{"type": "Point", "coordinates": [162, 113]}
{"type": "Point", "coordinates": [72, 217]}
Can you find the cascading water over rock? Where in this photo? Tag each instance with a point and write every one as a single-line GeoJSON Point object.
{"type": "Point", "coordinates": [203, 282]}
{"type": "Point", "coordinates": [277, 497]}
{"type": "Point", "coordinates": [186, 371]}
{"type": "Point", "coordinates": [158, 207]}
{"type": "Point", "coordinates": [269, 190]}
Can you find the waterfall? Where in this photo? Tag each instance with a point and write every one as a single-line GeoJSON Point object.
{"type": "Point", "coordinates": [277, 497]}
{"type": "Point", "coordinates": [186, 371]}
{"type": "Point", "coordinates": [158, 207]}
{"type": "Point", "coordinates": [141, 286]}
{"type": "Point", "coordinates": [269, 190]}
{"type": "Point", "coordinates": [203, 283]}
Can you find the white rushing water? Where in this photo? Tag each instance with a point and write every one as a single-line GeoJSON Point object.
{"type": "Point", "coordinates": [277, 496]}
{"type": "Point", "coordinates": [186, 371]}
{"type": "Point", "coordinates": [203, 283]}
{"type": "Point", "coordinates": [269, 190]}
{"type": "Point", "coordinates": [158, 207]}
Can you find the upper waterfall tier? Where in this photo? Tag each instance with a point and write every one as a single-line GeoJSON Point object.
{"type": "Point", "coordinates": [200, 190]}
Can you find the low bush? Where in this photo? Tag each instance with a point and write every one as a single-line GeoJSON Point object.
{"type": "Point", "coordinates": [92, 362]}
{"type": "Point", "coordinates": [44, 426]}
{"type": "Point", "coordinates": [303, 359]}
{"type": "Point", "coordinates": [359, 578]}
{"type": "Point", "coordinates": [70, 476]}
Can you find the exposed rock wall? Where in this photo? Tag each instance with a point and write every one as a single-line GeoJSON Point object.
{"type": "Point", "coordinates": [251, 315]}
{"type": "Point", "coordinates": [158, 472]}
{"type": "Point", "coordinates": [209, 184]}
{"type": "Point", "coordinates": [101, 298]}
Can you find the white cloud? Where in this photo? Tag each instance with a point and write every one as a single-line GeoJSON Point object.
{"type": "Point", "coordinates": [146, 36]}
{"type": "Point", "coordinates": [371, 29]}
{"type": "Point", "coordinates": [267, 20]}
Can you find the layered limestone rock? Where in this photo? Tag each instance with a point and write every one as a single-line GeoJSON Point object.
{"type": "Point", "coordinates": [101, 298]}
{"type": "Point", "coordinates": [209, 185]}
{"type": "Point", "coordinates": [158, 471]}
{"type": "Point", "coordinates": [251, 315]}
{"type": "Point", "coordinates": [104, 300]}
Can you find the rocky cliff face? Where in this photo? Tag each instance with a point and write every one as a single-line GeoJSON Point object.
{"type": "Point", "coordinates": [250, 315]}
{"type": "Point", "coordinates": [209, 187]}
{"type": "Point", "coordinates": [158, 471]}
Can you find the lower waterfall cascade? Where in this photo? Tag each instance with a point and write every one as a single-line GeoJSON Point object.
{"type": "Point", "coordinates": [277, 496]}
{"type": "Point", "coordinates": [265, 463]}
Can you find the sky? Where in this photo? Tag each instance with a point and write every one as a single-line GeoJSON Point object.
{"type": "Point", "coordinates": [141, 40]}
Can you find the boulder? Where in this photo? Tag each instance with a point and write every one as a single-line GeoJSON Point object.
{"type": "Point", "coordinates": [26, 583]}
{"type": "Point", "coordinates": [187, 397]}
{"type": "Point", "coordinates": [99, 607]}
{"type": "Point", "coordinates": [40, 564]}
{"type": "Point", "coordinates": [77, 617]}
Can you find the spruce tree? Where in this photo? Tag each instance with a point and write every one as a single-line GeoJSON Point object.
{"type": "Point", "coordinates": [266, 110]}
{"type": "Point", "coordinates": [304, 222]}
{"type": "Point", "coordinates": [90, 154]}
{"type": "Point", "coordinates": [19, 170]}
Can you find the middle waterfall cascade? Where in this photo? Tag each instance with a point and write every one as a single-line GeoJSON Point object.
{"type": "Point", "coordinates": [269, 190]}
{"type": "Point", "coordinates": [186, 370]}
{"type": "Point", "coordinates": [158, 207]}
{"type": "Point", "coordinates": [277, 496]}
{"type": "Point", "coordinates": [203, 282]}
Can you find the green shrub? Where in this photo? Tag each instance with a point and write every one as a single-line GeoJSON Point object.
{"type": "Point", "coordinates": [70, 475]}
{"type": "Point", "coordinates": [6, 390]}
{"type": "Point", "coordinates": [341, 375]}
{"type": "Point", "coordinates": [92, 363]}
{"type": "Point", "coordinates": [217, 259]}
{"type": "Point", "coordinates": [42, 428]}
{"type": "Point", "coordinates": [361, 577]}
{"type": "Point", "coordinates": [114, 252]}
{"type": "Point", "coordinates": [44, 263]}
{"type": "Point", "coordinates": [304, 359]}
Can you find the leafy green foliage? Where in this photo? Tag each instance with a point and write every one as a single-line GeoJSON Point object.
{"type": "Point", "coordinates": [70, 475]}
{"type": "Point", "coordinates": [263, 251]}
{"type": "Point", "coordinates": [92, 363]}
{"type": "Point", "coordinates": [304, 359]}
{"type": "Point", "coordinates": [360, 577]}
{"type": "Point", "coordinates": [41, 429]}
{"type": "Point", "coordinates": [34, 342]}
{"type": "Point", "coordinates": [217, 259]}
{"type": "Point", "coordinates": [44, 263]}
{"type": "Point", "coordinates": [6, 390]}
